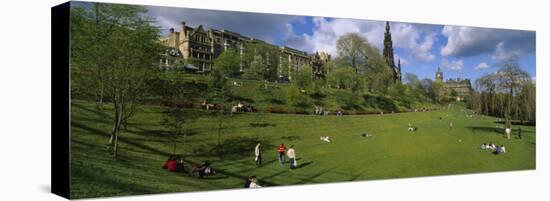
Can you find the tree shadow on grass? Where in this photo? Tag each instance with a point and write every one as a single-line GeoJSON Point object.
{"type": "Point", "coordinates": [309, 179]}
{"type": "Point", "coordinates": [301, 165]}
{"type": "Point", "coordinates": [488, 129]}
{"type": "Point", "coordinates": [232, 148]}
{"type": "Point", "coordinates": [98, 112]}
{"type": "Point", "coordinates": [95, 177]}
{"type": "Point", "coordinates": [122, 139]}
{"type": "Point", "coordinates": [262, 125]}
{"type": "Point", "coordinates": [291, 137]}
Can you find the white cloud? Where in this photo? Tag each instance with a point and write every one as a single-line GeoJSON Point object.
{"type": "Point", "coordinates": [261, 26]}
{"type": "Point", "coordinates": [416, 41]}
{"type": "Point", "coordinates": [482, 65]}
{"type": "Point", "coordinates": [502, 54]}
{"type": "Point", "coordinates": [403, 60]}
{"type": "Point", "coordinates": [501, 44]}
{"type": "Point", "coordinates": [452, 65]}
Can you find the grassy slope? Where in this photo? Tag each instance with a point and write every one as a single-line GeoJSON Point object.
{"type": "Point", "coordinates": [248, 90]}
{"type": "Point", "coordinates": [392, 152]}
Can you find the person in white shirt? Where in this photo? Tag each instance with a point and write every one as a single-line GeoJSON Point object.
{"type": "Point", "coordinates": [254, 183]}
{"type": "Point", "coordinates": [292, 156]}
{"type": "Point", "coordinates": [502, 149]}
{"type": "Point", "coordinates": [258, 154]}
{"type": "Point", "coordinates": [483, 146]}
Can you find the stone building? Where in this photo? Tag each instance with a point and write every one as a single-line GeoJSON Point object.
{"type": "Point", "coordinates": [194, 43]}
{"type": "Point", "coordinates": [171, 58]}
{"type": "Point", "coordinates": [462, 87]}
{"type": "Point", "coordinates": [203, 46]}
{"type": "Point", "coordinates": [317, 62]}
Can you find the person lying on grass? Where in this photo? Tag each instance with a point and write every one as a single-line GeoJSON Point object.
{"type": "Point", "coordinates": [325, 138]}
{"type": "Point", "coordinates": [366, 135]}
{"type": "Point", "coordinates": [411, 127]}
{"type": "Point", "coordinates": [204, 170]}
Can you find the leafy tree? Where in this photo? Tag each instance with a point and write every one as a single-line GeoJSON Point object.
{"type": "Point", "coordinates": [270, 55]}
{"type": "Point", "coordinates": [304, 77]}
{"type": "Point", "coordinates": [347, 99]}
{"type": "Point", "coordinates": [428, 90]}
{"type": "Point", "coordinates": [219, 91]}
{"type": "Point", "coordinates": [345, 78]}
{"type": "Point", "coordinates": [180, 95]}
{"type": "Point", "coordinates": [291, 93]}
{"type": "Point", "coordinates": [441, 91]}
{"type": "Point", "coordinates": [117, 47]}
{"type": "Point", "coordinates": [511, 79]}
{"type": "Point", "coordinates": [508, 93]}
{"type": "Point", "coordinates": [228, 63]}
{"type": "Point", "coordinates": [284, 69]}
{"type": "Point", "coordinates": [256, 69]}
{"type": "Point", "coordinates": [411, 79]}
{"type": "Point", "coordinates": [350, 47]}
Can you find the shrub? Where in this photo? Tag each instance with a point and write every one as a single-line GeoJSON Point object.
{"type": "Point", "coordinates": [276, 110]}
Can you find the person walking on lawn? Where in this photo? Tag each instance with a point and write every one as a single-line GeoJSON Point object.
{"type": "Point", "coordinates": [258, 154]}
{"type": "Point", "coordinates": [281, 151]}
{"type": "Point", "coordinates": [292, 157]}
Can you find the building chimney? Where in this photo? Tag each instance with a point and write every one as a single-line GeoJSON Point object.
{"type": "Point", "coordinates": [182, 27]}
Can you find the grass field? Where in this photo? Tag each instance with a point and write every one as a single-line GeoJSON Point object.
{"type": "Point", "coordinates": [392, 151]}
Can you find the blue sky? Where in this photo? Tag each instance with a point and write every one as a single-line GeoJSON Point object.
{"type": "Point", "coordinates": [460, 51]}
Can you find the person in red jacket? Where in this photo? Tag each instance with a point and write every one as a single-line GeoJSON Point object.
{"type": "Point", "coordinates": [281, 150]}
{"type": "Point", "coordinates": [171, 164]}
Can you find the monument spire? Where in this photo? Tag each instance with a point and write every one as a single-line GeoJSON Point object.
{"type": "Point", "coordinates": [388, 51]}
{"type": "Point", "coordinates": [398, 69]}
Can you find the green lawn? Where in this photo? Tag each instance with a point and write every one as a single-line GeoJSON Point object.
{"type": "Point", "coordinates": [392, 152]}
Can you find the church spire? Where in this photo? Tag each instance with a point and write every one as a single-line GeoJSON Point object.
{"type": "Point", "coordinates": [388, 51]}
{"type": "Point", "coordinates": [439, 74]}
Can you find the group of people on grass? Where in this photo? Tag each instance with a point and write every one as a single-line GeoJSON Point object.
{"type": "Point", "coordinates": [281, 151]}
{"type": "Point", "coordinates": [492, 147]}
{"type": "Point", "coordinates": [252, 181]}
{"type": "Point", "coordinates": [291, 153]}
{"type": "Point", "coordinates": [176, 164]}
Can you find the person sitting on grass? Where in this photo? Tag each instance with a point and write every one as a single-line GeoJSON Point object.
{"type": "Point", "coordinates": [501, 149]}
{"type": "Point", "coordinates": [492, 146]}
{"type": "Point", "coordinates": [171, 164]}
{"type": "Point", "coordinates": [254, 182]}
{"type": "Point", "coordinates": [248, 181]}
{"type": "Point", "coordinates": [484, 146]}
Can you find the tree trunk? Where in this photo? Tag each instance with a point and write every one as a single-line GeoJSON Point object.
{"type": "Point", "coordinates": [220, 126]}
{"type": "Point", "coordinates": [116, 133]}
{"type": "Point", "coordinates": [113, 140]}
